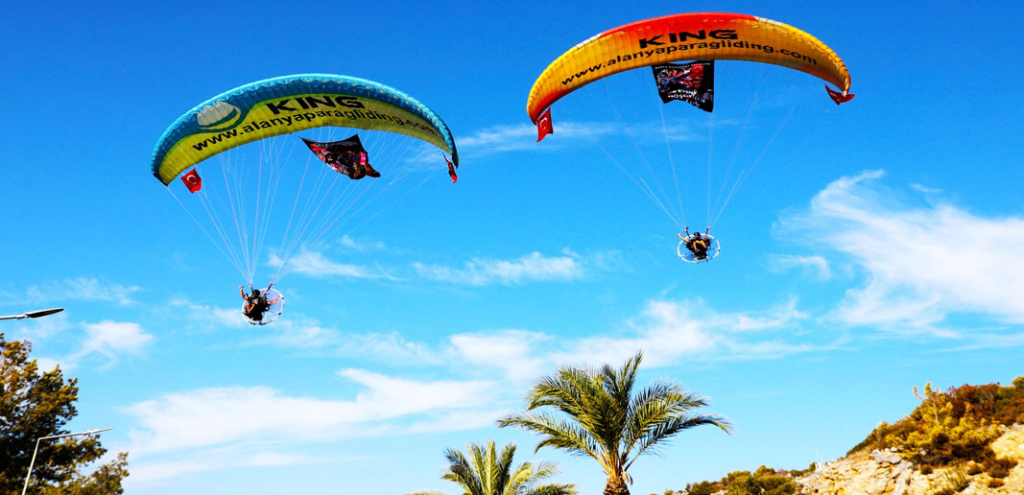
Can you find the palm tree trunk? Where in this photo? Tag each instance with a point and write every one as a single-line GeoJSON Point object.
{"type": "Point", "coordinates": [616, 487]}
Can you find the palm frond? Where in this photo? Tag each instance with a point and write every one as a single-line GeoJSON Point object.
{"type": "Point", "coordinates": [553, 489]}
{"type": "Point", "coordinates": [486, 472]}
{"type": "Point", "coordinates": [461, 472]}
{"type": "Point", "coordinates": [559, 433]}
{"type": "Point", "coordinates": [666, 430]}
{"type": "Point", "coordinates": [654, 406]}
{"type": "Point", "coordinates": [601, 414]}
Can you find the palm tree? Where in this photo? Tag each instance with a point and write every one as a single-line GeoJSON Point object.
{"type": "Point", "coordinates": [487, 473]}
{"type": "Point", "coordinates": [603, 418]}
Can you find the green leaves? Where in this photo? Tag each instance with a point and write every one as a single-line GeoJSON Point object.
{"type": "Point", "coordinates": [597, 413]}
{"type": "Point", "coordinates": [486, 472]}
{"type": "Point", "coordinates": [35, 405]}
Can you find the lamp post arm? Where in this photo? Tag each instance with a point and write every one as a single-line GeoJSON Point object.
{"type": "Point", "coordinates": [32, 314]}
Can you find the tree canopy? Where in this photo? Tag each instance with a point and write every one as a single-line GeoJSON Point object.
{"type": "Point", "coordinates": [487, 472]}
{"type": "Point", "coordinates": [36, 404]}
{"type": "Point", "coordinates": [599, 414]}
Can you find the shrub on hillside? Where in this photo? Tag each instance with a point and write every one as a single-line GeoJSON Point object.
{"type": "Point", "coordinates": [951, 427]}
{"type": "Point", "coordinates": [999, 467]}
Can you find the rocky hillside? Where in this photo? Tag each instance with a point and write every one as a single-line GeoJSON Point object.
{"type": "Point", "coordinates": [966, 440]}
{"type": "Point", "coordinates": [885, 472]}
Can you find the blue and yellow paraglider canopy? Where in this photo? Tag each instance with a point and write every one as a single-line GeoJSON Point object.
{"type": "Point", "coordinates": [290, 104]}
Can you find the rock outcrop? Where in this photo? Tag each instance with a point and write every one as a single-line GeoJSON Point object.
{"type": "Point", "coordinates": [886, 473]}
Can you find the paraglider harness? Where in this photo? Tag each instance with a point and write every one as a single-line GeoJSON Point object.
{"type": "Point", "coordinates": [697, 244]}
{"type": "Point", "coordinates": [256, 303]}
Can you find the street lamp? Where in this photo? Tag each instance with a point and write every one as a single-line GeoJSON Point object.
{"type": "Point", "coordinates": [32, 314]}
{"type": "Point", "coordinates": [51, 437]}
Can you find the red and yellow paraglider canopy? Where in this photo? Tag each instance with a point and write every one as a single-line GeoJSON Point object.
{"type": "Point", "coordinates": [693, 36]}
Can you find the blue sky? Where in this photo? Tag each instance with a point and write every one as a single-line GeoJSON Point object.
{"type": "Point", "coordinates": [875, 247]}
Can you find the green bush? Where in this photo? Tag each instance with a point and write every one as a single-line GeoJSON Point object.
{"type": "Point", "coordinates": [702, 488]}
{"type": "Point", "coordinates": [999, 467]}
{"type": "Point", "coordinates": [764, 481]}
{"type": "Point", "coordinates": [951, 427]}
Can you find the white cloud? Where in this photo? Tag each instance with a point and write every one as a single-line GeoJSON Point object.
{"type": "Point", "coordinates": [76, 289]}
{"type": "Point", "coordinates": [922, 260]}
{"type": "Point", "coordinates": [498, 139]}
{"type": "Point", "coordinates": [669, 330]}
{"type": "Point", "coordinates": [112, 339]}
{"type": "Point", "coordinates": [214, 428]}
{"type": "Point", "coordinates": [458, 421]}
{"type": "Point", "coordinates": [508, 350]}
{"type": "Point", "coordinates": [355, 245]}
{"type": "Point", "coordinates": [243, 455]}
{"type": "Point", "coordinates": [200, 423]}
{"type": "Point", "coordinates": [390, 346]}
{"type": "Point", "coordinates": [44, 328]}
{"type": "Point", "coordinates": [522, 137]}
{"type": "Point", "coordinates": [530, 267]}
{"type": "Point", "coordinates": [316, 265]}
{"type": "Point", "coordinates": [666, 330]}
{"type": "Point", "coordinates": [210, 317]}
{"type": "Point", "coordinates": [297, 332]}
{"type": "Point", "coordinates": [816, 267]}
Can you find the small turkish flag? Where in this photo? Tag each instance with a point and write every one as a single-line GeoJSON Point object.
{"type": "Point", "coordinates": [451, 170]}
{"type": "Point", "coordinates": [838, 97]}
{"type": "Point", "coordinates": [192, 181]}
{"type": "Point", "coordinates": [544, 125]}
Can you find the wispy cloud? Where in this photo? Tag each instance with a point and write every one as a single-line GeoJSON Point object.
{"type": "Point", "coordinates": [198, 424]}
{"type": "Point", "coordinates": [523, 137]}
{"type": "Point", "coordinates": [213, 428]}
{"type": "Point", "coordinates": [246, 455]}
{"type": "Point", "coordinates": [512, 351]}
{"type": "Point", "coordinates": [528, 267]}
{"type": "Point", "coordinates": [44, 328]}
{"type": "Point", "coordinates": [668, 330]}
{"type": "Point", "coordinates": [209, 317]}
{"type": "Point", "coordinates": [295, 331]}
{"type": "Point", "coordinates": [76, 289]}
{"type": "Point", "coordinates": [815, 267]}
{"type": "Point", "coordinates": [499, 139]}
{"type": "Point", "coordinates": [922, 260]}
{"type": "Point", "coordinates": [316, 265]}
{"type": "Point", "coordinates": [357, 245]}
{"type": "Point", "coordinates": [112, 339]}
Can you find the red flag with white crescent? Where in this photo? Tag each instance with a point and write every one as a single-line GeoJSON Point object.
{"type": "Point", "coordinates": [544, 126]}
{"type": "Point", "coordinates": [192, 181]}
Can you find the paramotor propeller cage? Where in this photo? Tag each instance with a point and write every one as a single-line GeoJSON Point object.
{"type": "Point", "coordinates": [688, 256]}
{"type": "Point", "coordinates": [276, 300]}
